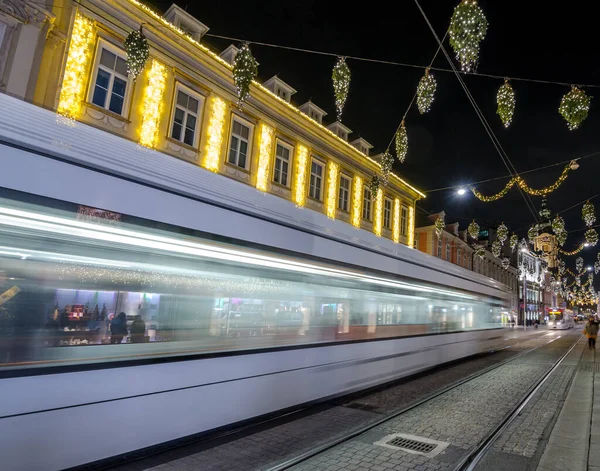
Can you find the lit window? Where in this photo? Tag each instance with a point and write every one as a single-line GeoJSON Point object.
{"type": "Point", "coordinates": [387, 213]}
{"type": "Point", "coordinates": [282, 164]}
{"type": "Point", "coordinates": [238, 149]}
{"type": "Point", "coordinates": [404, 221]}
{"type": "Point", "coordinates": [110, 85]}
{"type": "Point", "coordinates": [344, 193]}
{"type": "Point", "coordinates": [185, 117]}
{"type": "Point", "coordinates": [316, 180]}
{"type": "Point", "coordinates": [367, 202]}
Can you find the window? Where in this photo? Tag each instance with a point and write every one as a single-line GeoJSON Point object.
{"type": "Point", "coordinates": [344, 193]}
{"type": "Point", "coordinates": [240, 139]}
{"type": "Point", "coordinates": [458, 259]}
{"type": "Point", "coordinates": [387, 213]}
{"type": "Point", "coordinates": [367, 200]}
{"type": "Point", "coordinates": [439, 247]}
{"type": "Point", "coordinates": [110, 86]}
{"type": "Point", "coordinates": [316, 180]}
{"type": "Point", "coordinates": [282, 164]}
{"type": "Point", "coordinates": [404, 221]}
{"type": "Point", "coordinates": [185, 117]}
{"type": "Point", "coordinates": [448, 252]}
{"type": "Point", "coordinates": [465, 260]}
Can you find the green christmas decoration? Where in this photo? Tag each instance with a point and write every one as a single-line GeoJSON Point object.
{"type": "Point", "coordinates": [574, 107]}
{"type": "Point", "coordinates": [245, 70]}
{"type": "Point", "coordinates": [374, 186]}
{"type": "Point", "coordinates": [506, 103]}
{"type": "Point", "coordinates": [440, 225]}
{"type": "Point", "coordinates": [401, 143]}
{"type": "Point", "coordinates": [136, 47]}
{"type": "Point", "coordinates": [426, 92]}
{"type": "Point", "coordinates": [473, 230]}
{"type": "Point", "coordinates": [561, 267]}
{"type": "Point", "coordinates": [532, 233]}
{"type": "Point", "coordinates": [588, 214]}
{"type": "Point", "coordinates": [496, 248]}
{"type": "Point", "coordinates": [502, 233]}
{"type": "Point", "coordinates": [341, 85]}
{"type": "Point", "coordinates": [479, 251]}
{"type": "Point", "coordinates": [591, 236]}
{"type": "Point", "coordinates": [468, 27]}
{"type": "Point", "coordinates": [513, 242]}
{"type": "Point", "coordinates": [561, 237]}
{"type": "Point", "coordinates": [386, 167]}
{"type": "Point", "coordinates": [558, 224]}
{"type": "Point", "coordinates": [505, 263]}
{"type": "Point", "coordinates": [579, 264]}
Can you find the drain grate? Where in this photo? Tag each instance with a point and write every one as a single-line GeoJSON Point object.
{"type": "Point", "coordinates": [413, 444]}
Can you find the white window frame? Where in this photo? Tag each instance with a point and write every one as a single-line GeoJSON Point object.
{"type": "Point", "coordinates": [290, 149]}
{"type": "Point", "coordinates": [387, 214]}
{"type": "Point", "coordinates": [403, 220]}
{"type": "Point", "coordinates": [458, 257]}
{"type": "Point", "coordinates": [104, 44]}
{"type": "Point", "coordinates": [448, 252]}
{"type": "Point", "coordinates": [347, 190]}
{"type": "Point", "coordinates": [188, 91]}
{"type": "Point", "coordinates": [312, 194]}
{"type": "Point", "coordinates": [235, 118]}
{"type": "Point", "coordinates": [439, 247]}
{"type": "Point", "coordinates": [367, 204]}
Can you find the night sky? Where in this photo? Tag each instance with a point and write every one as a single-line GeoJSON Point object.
{"type": "Point", "coordinates": [448, 146]}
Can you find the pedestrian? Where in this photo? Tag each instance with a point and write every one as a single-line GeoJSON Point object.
{"type": "Point", "coordinates": [138, 329]}
{"type": "Point", "coordinates": [591, 332]}
{"type": "Point", "coordinates": [118, 328]}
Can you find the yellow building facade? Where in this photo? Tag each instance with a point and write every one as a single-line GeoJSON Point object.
{"type": "Point", "coordinates": [184, 104]}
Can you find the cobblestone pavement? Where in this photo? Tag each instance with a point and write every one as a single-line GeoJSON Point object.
{"type": "Point", "coordinates": [461, 418]}
{"type": "Point", "coordinates": [289, 437]}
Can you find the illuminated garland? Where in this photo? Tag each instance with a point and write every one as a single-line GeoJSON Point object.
{"type": "Point", "coordinates": [532, 233]}
{"type": "Point", "coordinates": [357, 201]}
{"type": "Point", "coordinates": [591, 237]}
{"type": "Point", "coordinates": [153, 102]}
{"type": "Point", "coordinates": [506, 103]}
{"type": "Point", "coordinates": [374, 186]}
{"type": "Point", "coordinates": [561, 267]}
{"type": "Point", "coordinates": [579, 264]}
{"type": "Point", "coordinates": [561, 237]}
{"type": "Point", "coordinates": [439, 227]}
{"type": "Point", "coordinates": [479, 251]}
{"type": "Point", "coordinates": [558, 224]}
{"type": "Point", "coordinates": [597, 265]}
{"type": "Point", "coordinates": [341, 85]}
{"type": "Point", "coordinates": [301, 171]}
{"type": "Point", "coordinates": [502, 233]}
{"type": "Point", "coordinates": [588, 214]}
{"type": "Point", "coordinates": [496, 248]}
{"type": "Point", "coordinates": [574, 252]}
{"type": "Point", "coordinates": [513, 242]}
{"type": "Point", "coordinates": [505, 263]}
{"type": "Point", "coordinates": [401, 143]}
{"type": "Point", "coordinates": [387, 161]}
{"type": "Point", "coordinates": [468, 27]}
{"type": "Point", "coordinates": [473, 230]}
{"type": "Point", "coordinates": [426, 92]}
{"type": "Point", "coordinates": [264, 156]}
{"type": "Point", "coordinates": [574, 107]}
{"type": "Point", "coordinates": [215, 132]}
{"type": "Point", "coordinates": [136, 47]}
{"type": "Point", "coordinates": [378, 213]}
{"type": "Point", "coordinates": [497, 196]}
{"type": "Point", "coordinates": [245, 70]}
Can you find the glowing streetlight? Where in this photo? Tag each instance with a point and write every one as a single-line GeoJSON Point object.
{"type": "Point", "coordinates": [461, 191]}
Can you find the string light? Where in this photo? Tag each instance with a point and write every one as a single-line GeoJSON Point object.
{"type": "Point", "coordinates": [473, 230]}
{"type": "Point", "coordinates": [591, 237]}
{"type": "Point", "coordinates": [468, 27]}
{"type": "Point", "coordinates": [506, 103]}
{"type": "Point", "coordinates": [341, 85]}
{"type": "Point", "coordinates": [579, 264]}
{"type": "Point", "coordinates": [496, 248]}
{"type": "Point", "coordinates": [378, 220]}
{"type": "Point", "coordinates": [334, 171]}
{"type": "Point", "coordinates": [264, 156]}
{"type": "Point", "coordinates": [401, 143]}
{"type": "Point", "coordinates": [78, 58]}
{"type": "Point", "coordinates": [152, 104]}
{"type": "Point", "coordinates": [411, 227]}
{"type": "Point", "coordinates": [136, 47]}
{"type": "Point", "coordinates": [513, 242]}
{"type": "Point", "coordinates": [396, 228]}
{"type": "Point", "coordinates": [532, 233]}
{"type": "Point", "coordinates": [588, 214]}
{"type": "Point", "coordinates": [574, 107]}
{"type": "Point", "coordinates": [574, 252]}
{"type": "Point", "coordinates": [215, 133]}
{"type": "Point", "coordinates": [502, 233]}
{"type": "Point", "coordinates": [357, 201]}
{"type": "Point", "coordinates": [245, 70]}
{"type": "Point", "coordinates": [301, 170]}
{"type": "Point", "coordinates": [387, 161]}
{"type": "Point", "coordinates": [426, 92]}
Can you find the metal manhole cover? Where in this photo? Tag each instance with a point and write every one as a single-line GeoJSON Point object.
{"type": "Point", "coordinates": [413, 444]}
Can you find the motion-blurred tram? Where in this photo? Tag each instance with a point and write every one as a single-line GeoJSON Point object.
{"type": "Point", "coordinates": [230, 311]}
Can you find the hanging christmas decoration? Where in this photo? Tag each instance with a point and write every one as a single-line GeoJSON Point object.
{"type": "Point", "coordinates": [374, 186]}
{"type": "Point", "coordinates": [532, 233]}
{"type": "Point", "coordinates": [479, 251]}
{"type": "Point", "coordinates": [496, 248]}
{"type": "Point", "coordinates": [574, 107]}
{"type": "Point", "coordinates": [561, 237]}
{"type": "Point", "coordinates": [591, 236]}
{"type": "Point", "coordinates": [561, 267]}
{"type": "Point", "coordinates": [578, 281]}
{"type": "Point", "coordinates": [502, 233]}
{"type": "Point", "coordinates": [579, 264]}
{"type": "Point", "coordinates": [513, 242]}
{"type": "Point", "coordinates": [245, 70]}
{"type": "Point", "coordinates": [506, 103]}
{"type": "Point", "coordinates": [588, 214]}
{"type": "Point", "coordinates": [597, 265]}
{"type": "Point", "coordinates": [505, 263]}
{"type": "Point", "coordinates": [590, 278]}
{"type": "Point", "coordinates": [341, 85]}
{"type": "Point", "coordinates": [426, 92]}
{"type": "Point", "coordinates": [386, 167]}
{"type": "Point", "coordinates": [473, 230]}
{"type": "Point", "coordinates": [573, 252]}
{"type": "Point", "coordinates": [440, 225]}
{"type": "Point", "coordinates": [136, 47]}
{"type": "Point", "coordinates": [401, 143]}
{"type": "Point", "coordinates": [558, 224]}
{"type": "Point", "coordinates": [468, 27]}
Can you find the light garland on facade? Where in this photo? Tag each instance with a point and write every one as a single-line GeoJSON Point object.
{"type": "Point", "coordinates": [411, 227]}
{"type": "Point", "coordinates": [506, 103]}
{"type": "Point", "coordinates": [301, 170]}
{"type": "Point", "coordinates": [78, 59]}
{"type": "Point", "coordinates": [264, 156]}
{"type": "Point", "coordinates": [215, 134]}
{"type": "Point", "coordinates": [378, 216]}
{"type": "Point", "coordinates": [152, 104]}
{"type": "Point", "coordinates": [332, 184]}
{"type": "Point", "coordinates": [468, 27]}
{"type": "Point", "coordinates": [426, 92]}
{"type": "Point", "coordinates": [574, 107]}
{"type": "Point", "coordinates": [357, 201]}
{"type": "Point", "coordinates": [396, 226]}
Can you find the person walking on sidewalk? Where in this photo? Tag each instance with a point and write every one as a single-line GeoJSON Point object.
{"type": "Point", "coordinates": [591, 332]}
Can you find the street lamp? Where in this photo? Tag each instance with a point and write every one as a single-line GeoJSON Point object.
{"type": "Point", "coordinates": [461, 191]}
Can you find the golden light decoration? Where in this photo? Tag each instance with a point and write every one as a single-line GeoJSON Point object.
{"type": "Point", "coordinates": [264, 156]}
{"type": "Point", "coordinates": [378, 220]}
{"type": "Point", "coordinates": [301, 170]}
{"type": "Point", "coordinates": [574, 252]}
{"type": "Point", "coordinates": [215, 133]}
{"type": "Point", "coordinates": [152, 104]}
{"type": "Point", "coordinates": [396, 229]}
{"type": "Point", "coordinates": [332, 184]}
{"type": "Point", "coordinates": [411, 226]}
{"type": "Point", "coordinates": [357, 201]}
{"type": "Point", "coordinates": [76, 68]}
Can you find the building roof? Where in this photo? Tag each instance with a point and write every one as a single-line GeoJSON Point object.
{"type": "Point", "coordinates": [276, 81]}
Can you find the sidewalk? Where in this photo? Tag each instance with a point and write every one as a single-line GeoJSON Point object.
{"type": "Point", "coordinates": [574, 442]}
